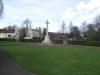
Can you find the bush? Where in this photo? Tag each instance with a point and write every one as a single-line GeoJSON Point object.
{"type": "Point", "coordinates": [7, 39]}
{"type": "Point", "coordinates": [86, 43]}
{"type": "Point", "coordinates": [60, 41]}
{"type": "Point", "coordinates": [39, 40]}
{"type": "Point", "coordinates": [35, 40]}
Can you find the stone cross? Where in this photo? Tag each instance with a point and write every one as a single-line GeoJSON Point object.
{"type": "Point", "coordinates": [47, 22]}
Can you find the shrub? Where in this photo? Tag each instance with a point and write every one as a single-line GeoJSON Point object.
{"type": "Point", "coordinates": [86, 43]}
{"type": "Point", "coordinates": [39, 40]}
{"type": "Point", "coordinates": [35, 40]}
{"type": "Point", "coordinates": [7, 39]}
{"type": "Point", "coordinates": [60, 41]}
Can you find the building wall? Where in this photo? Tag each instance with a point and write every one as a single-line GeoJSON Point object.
{"type": "Point", "coordinates": [13, 35]}
{"type": "Point", "coordinates": [36, 34]}
{"type": "Point", "coordinates": [53, 35]}
{"type": "Point", "coordinates": [1, 35]}
{"type": "Point", "coordinates": [32, 34]}
{"type": "Point", "coordinates": [5, 35]}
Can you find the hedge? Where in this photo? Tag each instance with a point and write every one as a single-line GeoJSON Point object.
{"type": "Point", "coordinates": [31, 40]}
{"type": "Point", "coordinates": [35, 40]}
{"type": "Point", "coordinates": [38, 40]}
{"type": "Point", "coordinates": [86, 43]}
{"type": "Point", "coordinates": [7, 39]}
{"type": "Point", "coordinates": [59, 41]}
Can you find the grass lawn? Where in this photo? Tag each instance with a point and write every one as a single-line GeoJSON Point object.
{"type": "Point", "coordinates": [56, 60]}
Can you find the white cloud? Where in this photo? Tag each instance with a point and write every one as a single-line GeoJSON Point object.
{"type": "Point", "coordinates": [81, 6]}
{"type": "Point", "coordinates": [84, 11]}
{"type": "Point", "coordinates": [38, 10]}
{"type": "Point", "coordinates": [26, 1]}
{"type": "Point", "coordinates": [68, 14]}
{"type": "Point", "coordinates": [89, 10]}
{"type": "Point", "coordinates": [91, 5]}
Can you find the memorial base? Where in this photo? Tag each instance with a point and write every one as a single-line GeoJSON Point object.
{"type": "Point", "coordinates": [47, 41]}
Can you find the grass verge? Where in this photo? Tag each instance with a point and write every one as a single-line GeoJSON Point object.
{"type": "Point", "coordinates": [56, 60]}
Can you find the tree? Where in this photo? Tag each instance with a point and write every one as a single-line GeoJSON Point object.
{"type": "Point", "coordinates": [98, 35]}
{"type": "Point", "coordinates": [97, 22]}
{"type": "Point", "coordinates": [70, 26]}
{"type": "Point", "coordinates": [44, 32]}
{"type": "Point", "coordinates": [84, 28]}
{"type": "Point", "coordinates": [97, 27]}
{"type": "Point", "coordinates": [22, 32]}
{"type": "Point", "coordinates": [75, 33]}
{"type": "Point", "coordinates": [91, 32]}
{"type": "Point", "coordinates": [71, 30]}
{"type": "Point", "coordinates": [10, 27]}
{"type": "Point", "coordinates": [27, 23]}
{"type": "Point", "coordinates": [63, 27]}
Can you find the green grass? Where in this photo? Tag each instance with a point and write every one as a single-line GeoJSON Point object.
{"type": "Point", "coordinates": [10, 43]}
{"type": "Point", "coordinates": [91, 47]}
{"type": "Point", "coordinates": [56, 60]}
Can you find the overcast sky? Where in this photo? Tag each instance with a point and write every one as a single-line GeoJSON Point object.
{"type": "Point", "coordinates": [38, 11]}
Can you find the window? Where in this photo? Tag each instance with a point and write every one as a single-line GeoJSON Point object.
{"type": "Point", "coordinates": [9, 36]}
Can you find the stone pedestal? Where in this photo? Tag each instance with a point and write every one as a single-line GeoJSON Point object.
{"type": "Point", "coordinates": [47, 40]}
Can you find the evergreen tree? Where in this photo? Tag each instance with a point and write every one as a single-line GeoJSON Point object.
{"type": "Point", "coordinates": [91, 32]}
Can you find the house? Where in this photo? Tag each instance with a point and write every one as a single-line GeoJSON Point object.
{"type": "Point", "coordinates": [9, 33]}
{"type": "Point", "coordinates": [15, 33]}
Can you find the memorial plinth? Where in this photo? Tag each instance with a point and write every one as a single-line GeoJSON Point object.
{"type": "Point", "coordinates": [47, 40]}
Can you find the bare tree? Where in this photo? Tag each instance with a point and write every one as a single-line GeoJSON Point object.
{"type": "Point", "coordinates": [97, 27]}
{"type": "Point", "coordinates": [63, 28]}
{"type": "Point", "coordinates": [70, 26]}
{"type": "Point", "coordinates": [27, 23]}
{"type": "Point", "coordinates": [84, 28]}
{"type": "Point", "coordinates": [91, 32]}
{"type": "Point", "coordinates": [75, 33]}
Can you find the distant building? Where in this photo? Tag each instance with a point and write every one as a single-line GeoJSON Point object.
{"type": "Point", "coordinates": [54, 35]}
{"type": "Point", "coordinates": [9, 33]}
{"type": "Point", "coordinates": [33, 33]}
{"type": "Point", "coordinates": [15, 33]}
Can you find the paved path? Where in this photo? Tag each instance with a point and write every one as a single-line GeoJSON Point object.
{"type": "Point", "coordinates": [9, 67]}
{"type": "Point", "coordinates": [70, 46]}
